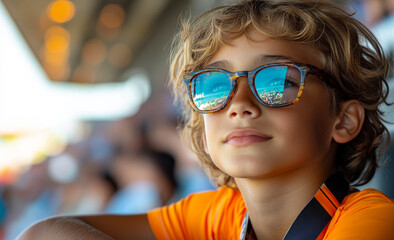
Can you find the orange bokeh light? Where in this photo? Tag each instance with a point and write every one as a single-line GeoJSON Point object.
{"type": "Point", "coordinates": [83, 74]}
{"type": "Point", "coordinates": [112, 16]}
{"type": "Point", "coordinates": [56, 44]}
{"type": "Point", "coordinates": [61, 11]}
{"type": "Point", "coordinates": [55, 59]}
{"type": "Point", "coordinates": [57, 73]}
{"type": "Point", "coordinates": [94, 52]}
{"type": "Point", "coordinates": [57, 41]}
{"type": "Point", "coordinates": [58, 34]}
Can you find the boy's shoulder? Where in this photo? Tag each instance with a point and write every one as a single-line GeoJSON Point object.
{"type": "Point", "coordinates": [368, 203]}
{"type": "Point", "coordinates": [219, 200]}
{"type": "Point", "coordinates": [367, 198]}
{"type": "Point", "coordinates": [222, 194]}
{"type": "Point", "coordinates": [366, 214]}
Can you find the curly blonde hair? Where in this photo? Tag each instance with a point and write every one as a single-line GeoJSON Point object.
{"type": "Point", "coordinates": [352, 56]}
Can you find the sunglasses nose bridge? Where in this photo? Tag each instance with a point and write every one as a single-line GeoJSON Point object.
{"type": "Point", "coordinates": [237, 75]}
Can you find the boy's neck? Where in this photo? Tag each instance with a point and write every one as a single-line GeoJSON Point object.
{"type": "Point", "coordinates": [273, 203]}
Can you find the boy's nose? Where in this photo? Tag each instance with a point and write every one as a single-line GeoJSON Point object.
{"type": "Point", "coordinates": [243, 104]}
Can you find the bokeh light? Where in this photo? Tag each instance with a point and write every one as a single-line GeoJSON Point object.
{"type": "Point", "coordinates": [83, 74]}
{"type": "Point", "coordinates": [94, 52]}
{"type": "Point", "coordinates": [63, 168]}
{"type": "Point", "coordinates": [61, 11]}
{"type": "Point", "coordinates": [56, 52]}
{"type": "Point", "coordinates": [112, 16]}
{"type": "Point", "coordinates": [57, 39]}
{"type": "Point", "coordinates": [57, 73]}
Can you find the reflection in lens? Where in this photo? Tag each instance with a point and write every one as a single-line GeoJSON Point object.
{"type": "Point", "coordinates": [210, 90]}
{"type": "Point", "coordinates": [278, 84]}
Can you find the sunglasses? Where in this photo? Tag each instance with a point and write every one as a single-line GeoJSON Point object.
{"type": "Point", "coordinates": [274, 85]}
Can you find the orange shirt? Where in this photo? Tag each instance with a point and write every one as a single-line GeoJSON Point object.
{"type": "Point", "coordinates": [363, 215]}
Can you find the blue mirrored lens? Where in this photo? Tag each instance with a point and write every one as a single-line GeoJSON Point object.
{"type": "Point", "coordinates": [210, 90]}
{"type": "Point", "coordinates": [278, 84]}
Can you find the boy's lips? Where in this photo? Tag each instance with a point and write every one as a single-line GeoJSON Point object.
{"type": "Point", "coordinates": [245, 137]}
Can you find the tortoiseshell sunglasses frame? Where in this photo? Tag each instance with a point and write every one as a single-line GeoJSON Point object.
{"type": "Point", "coordinates": [304, 69]}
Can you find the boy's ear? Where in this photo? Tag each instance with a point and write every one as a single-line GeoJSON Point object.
{"type": "Point", "coordinates": [349, 121]}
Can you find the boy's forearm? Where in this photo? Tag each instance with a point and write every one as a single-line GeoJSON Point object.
{"type": "Point", "coordinates": [62, 228]}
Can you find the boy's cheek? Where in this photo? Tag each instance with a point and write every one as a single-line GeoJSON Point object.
{"type": "Point", "coordinates": [209, 129]}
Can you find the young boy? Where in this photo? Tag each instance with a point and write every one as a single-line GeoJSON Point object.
{"type": "Point", "coordinates": [281, 107]}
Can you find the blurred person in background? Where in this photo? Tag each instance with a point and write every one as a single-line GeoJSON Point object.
{"type": "Point", "coordinates": [89, 193]}
{"type": "Point", "coordinates": [379, 16]}
{"type": "Point", "coordinates": [159, 130]}
{"type": "Point", "coordinates": [33, 197]}
{"type": "Point", "coordinates": [164, 136]}
{"type": "Point", "coordinates": [147, 180]}
{"type": "Point", "coordinates": [374, 12]}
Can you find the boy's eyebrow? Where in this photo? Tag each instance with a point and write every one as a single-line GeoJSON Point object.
{"type": "Point", "coordinates": [266, 59]}
{"type": "Point", "coordinates": [260, 60]}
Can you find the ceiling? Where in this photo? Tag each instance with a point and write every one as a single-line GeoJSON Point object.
{"type": "Point", "coordinates": [96, 41]}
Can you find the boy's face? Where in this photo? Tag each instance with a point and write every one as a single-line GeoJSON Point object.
{"type": "Point", "coordinates": [250, 140]}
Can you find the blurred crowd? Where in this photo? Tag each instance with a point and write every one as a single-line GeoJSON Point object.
{"type": "Point", "coordinates": [127, 166]}
{"type": "Point", "coordinates": [136, 163]}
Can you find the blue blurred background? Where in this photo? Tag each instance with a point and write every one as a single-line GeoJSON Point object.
{"type": "Point", "coordinates": [87, 124]}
